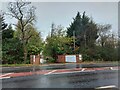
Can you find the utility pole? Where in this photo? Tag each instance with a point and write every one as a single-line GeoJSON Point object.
{"type": "Point", "coordinates": [85, 38]}
{"type": "Point", "coordinates": [74, 39]}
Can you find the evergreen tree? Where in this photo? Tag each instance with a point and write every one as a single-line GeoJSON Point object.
{"type": "Point", "coordinates": [52, 29]}
{"type": "Point", "coordinates": [3, 25]}
{"type": "Point", "coordinates": [8, 33]}
{"type": "Point", "coordinates": [11, 47]}
{"type": "Point", "coordinates": [85, 31]}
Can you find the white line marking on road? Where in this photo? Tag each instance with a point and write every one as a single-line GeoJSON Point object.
{"type": "Point", "coordinates": [113, 68]}
{"type": "Point", "coordinates": [103, 87]}
{"type": "Point", "coordinates": [4, 77]}
{"type": "Point", "coordinates": [73, 72]}
{"type": "Point", "coordinates": [50, 72]}
{"type": "Point", "coordinates": [5, 74]}
{"type": "Point", "coordinates": [66, 72]}
{"type": "Point", "coordinates": [83, 69]}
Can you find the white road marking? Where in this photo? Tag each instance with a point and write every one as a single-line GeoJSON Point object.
{"type": "Point", "coordinates": [5, 74]}
{"type": "Point", "coordinates": [103, 87]}
{"type": "Point", "coordinates": [73, 72]}
{"type": "Point", "coordinates": [4, 77]}
{"type": "Point", "coordinates": [83, 69]}
{"type": "Point", "coordinates": [50, 72]}
{"type": "Point", "coordinates": [66, 72]}
{"type": "Point", "coordinates": [113, 68]}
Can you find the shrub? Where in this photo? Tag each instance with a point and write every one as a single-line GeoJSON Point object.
{"type": "Point", "coordinates": [50, 60]}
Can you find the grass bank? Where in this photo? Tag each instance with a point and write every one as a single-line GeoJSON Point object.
{"type": "Point", "coordinates": [84, 62]}
{"type": "Point", "coordinates": [14, 65]}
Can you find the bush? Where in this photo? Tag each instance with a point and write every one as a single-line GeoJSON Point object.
{"type": "Point", "coordinates": [50, 60]}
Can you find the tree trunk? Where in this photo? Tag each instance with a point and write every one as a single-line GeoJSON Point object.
{"type": "Point", "coordinates": [25, 53]}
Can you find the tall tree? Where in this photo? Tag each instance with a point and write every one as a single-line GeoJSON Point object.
{"type": "Point", "coordinates": [8, 33]}
{"type": "Point", "coordinates": [33, 39]}
{"type": "Point", "coordinates": [11, 47]}
{"type": "Point", "coordinates": [57, 44]}
{"type": "Point", "coordinates": [85, 31]}
{"type": "Point", "coordinates": [52, 29]}
{"type": "Point", "coordinates": [3, 25]}
{"type": "Point", "coordinates": [25, 14]}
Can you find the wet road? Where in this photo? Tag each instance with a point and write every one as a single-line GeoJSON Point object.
{"type": "Point", "coordinates": [91, 79]}
{"type": "Point", "coordinates": [50, 67]}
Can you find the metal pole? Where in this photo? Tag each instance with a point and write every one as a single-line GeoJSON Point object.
{"type": "Point", "coordinates": [85, 38]}
{"type": "Point", "coordinates": [74, 39]}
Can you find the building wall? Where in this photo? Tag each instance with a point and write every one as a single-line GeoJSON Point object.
{"type": "Point", "coordinates": [61, 59]}
{"type": "Point", "coordinates": [77, 59]}
{"type": "Point", "coordinates": [37, 59]}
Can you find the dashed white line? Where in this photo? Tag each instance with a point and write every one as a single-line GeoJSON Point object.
{"type": "Point", "coordinates": [72, 72]}
{"type": "Point", "coordinates": [4, 77]}
{"type": "Point", "coordinates": [5, 74]}
{"type": "Point", "coordinates": [50, 72]}
{"type": "Point", "coordinates": [67, 72]}
{"type": "Point", "coordinates": [103, 87]}
{"type": "Point", "coordinates": [83, 69]}
{"type": "Point", "coordinates": [113, 68]}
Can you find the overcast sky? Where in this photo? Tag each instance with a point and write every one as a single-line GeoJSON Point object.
{"type": "Point", "coordinates": [64, 12]}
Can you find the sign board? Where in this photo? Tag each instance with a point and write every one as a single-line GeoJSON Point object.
{"type": "Point", "coordinates": [70, 58]}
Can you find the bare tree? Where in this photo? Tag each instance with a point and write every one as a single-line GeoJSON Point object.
{"type": "Point", "coordinates": [24, 12]}
{"type": "Point", "coordinates": [103, 33]}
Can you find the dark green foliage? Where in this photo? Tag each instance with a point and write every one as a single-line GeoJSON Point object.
{"type": "Point", "coordinates": [57, 43]}
{"type": "Point", "coordinates": [50, 60]}
{"type": "Point", "coordinates": [33, 50]}
{"type": "Point", "coordinates": [51, 48]}
{"type": "Point", "coordinates": [3, 25]}
{"type": "Point", "coordinates": [12, 51]}
{"type": "Point", "coordinates": [86, 34]}
{"type": "Point", "coordinates": [100, 54]}
{"type": "Point", "coordinates": [8, 33]}
{"type": "Point", "coordinates": [85, 31]}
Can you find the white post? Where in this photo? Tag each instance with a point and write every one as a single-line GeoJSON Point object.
{"type": "Point", "coordinates": [33, 63]}
{"type": "Point", "coordinates": [80, 57]}
{"type": "Point", "coordinates": [34, 58]}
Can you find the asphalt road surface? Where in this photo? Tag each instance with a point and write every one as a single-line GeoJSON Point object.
{"type": "Point", "coordinates": [91, 79]}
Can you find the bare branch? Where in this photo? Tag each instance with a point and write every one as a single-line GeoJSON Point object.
{"type": "Point", "coordinates": [24, 13]}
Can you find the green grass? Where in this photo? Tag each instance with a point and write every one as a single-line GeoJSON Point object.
{"type": "Point", "coordinates": [84, 62]}
{"type": "Point", "coordinates": [100, 62]}
{"type": "Point", "coordinates": [14, 65]}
